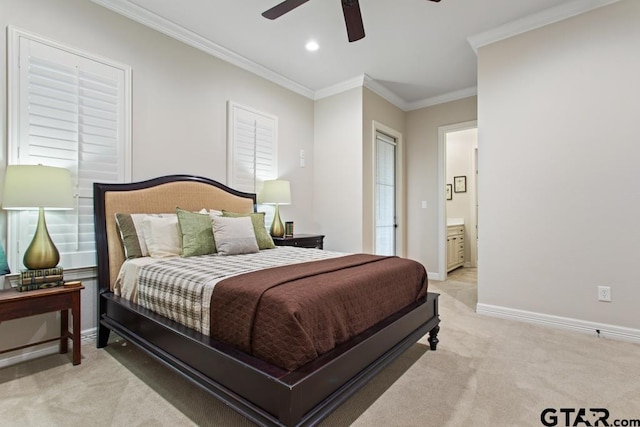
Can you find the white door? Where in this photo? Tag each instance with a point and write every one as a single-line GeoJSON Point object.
{"type": "Point", "coordinates": [385, 195]}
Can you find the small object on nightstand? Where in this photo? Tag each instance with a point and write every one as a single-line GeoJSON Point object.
{"type": "Point", "coordinates": [288, 229]}
{"type": "Point", "coordinates": [301, 240]}
{"type": "Point", "coordinates": [41, 278]}
{"type": "Point", "coordinates": [72, 284]}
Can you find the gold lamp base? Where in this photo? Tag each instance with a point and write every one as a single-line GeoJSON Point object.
{"type": "Point", "coordinates": [41, 253]}
{"type": "Point", "coordinates": [277, 228]}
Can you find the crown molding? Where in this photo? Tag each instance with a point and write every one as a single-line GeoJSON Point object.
{"type": "Point", "coordinates": [362, 80]}
{"type": "Point", "coordinates": [536, 20]}
{"type": "Point", "coordinates": [339, 87]}
{"type": "Point", "coordinates": [173, 30]}
{"type": "Point", "coordinates": [385, 93]}
{"type": "Point", "coordinates": [441, 99]}
{"type": "Point", "coordinates": [416, 105]}
{"type": "Point", "coordinates": [365, 80]}
{"type": "Point", "coordinates": [192, 39]}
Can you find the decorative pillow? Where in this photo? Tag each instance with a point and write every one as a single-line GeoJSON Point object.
{"type": "Point", "coordinates": [234, 236]}
{"type": "Point", "coordinates": [196, 233]}
{"type": "Point", "coordinates": [257, 219]}
{"type": "Point", "coordinates": [162, 235]}
{"type": "Point", "coordinates": [131, 234]}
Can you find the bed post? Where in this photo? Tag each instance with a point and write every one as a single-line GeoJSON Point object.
{"type": "Point", "coordinates": [103, 335]}
{"type": "Point", "coordinates": [433, 333]}
{"type": "Point", "coordinates": [103, 260]}
{"type": "Point", "coordinates": [433, 338]}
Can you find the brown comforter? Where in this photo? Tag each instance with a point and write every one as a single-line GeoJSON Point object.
{"type": "Point", "coordinates": [290, 315]}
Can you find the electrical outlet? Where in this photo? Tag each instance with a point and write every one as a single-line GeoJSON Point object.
{"type": "Point", "coordinates": [604, 293]}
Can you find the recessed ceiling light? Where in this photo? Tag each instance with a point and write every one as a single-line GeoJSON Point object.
{"type": "Point", "coordinates": [312, 46]}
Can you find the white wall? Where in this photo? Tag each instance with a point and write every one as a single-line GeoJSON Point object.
{"type": "Point", "coordinates": [179, 113]}
{"type": "Point", "coordinates": [558, 118]}
{"type": "Point", "coordinates": [338, 180]}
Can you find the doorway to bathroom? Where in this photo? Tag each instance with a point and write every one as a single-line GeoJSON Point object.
{"type": "Point", "coordinates": [459, 197]}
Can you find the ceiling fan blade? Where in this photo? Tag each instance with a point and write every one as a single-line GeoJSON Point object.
{"type": "Point", "coordinates": [437, 1]}
{"type": "Point", "coordinates": [353, 19]}
{"type": "Point", "coordinates": [282, 8]}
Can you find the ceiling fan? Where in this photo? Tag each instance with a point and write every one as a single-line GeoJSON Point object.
{"type": "Point", "coordinates": [350, 9]}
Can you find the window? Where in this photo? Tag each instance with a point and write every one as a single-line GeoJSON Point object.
{"type": "Point", "coordinates": [252, 148]}
{"type": "Point", "coordinates": [385, 195]}
{"type": "Point", "coordinates": [67, 109]}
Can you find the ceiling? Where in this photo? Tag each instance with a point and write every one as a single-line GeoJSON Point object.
{"type": "Point", "coordinates": [416, 52]}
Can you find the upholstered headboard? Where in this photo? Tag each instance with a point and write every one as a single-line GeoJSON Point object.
{"type": "Point", "coordinates": [158, 195]}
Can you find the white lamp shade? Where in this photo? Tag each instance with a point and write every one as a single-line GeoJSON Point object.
{"type": "Point", "coordinates": [276, 192]}
{"type": "Point", "coordinates": [37, 186]}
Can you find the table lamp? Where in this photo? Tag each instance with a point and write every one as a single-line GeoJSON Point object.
{"type": "Point", "coordinates": [28, 187]}
{"type": "Point", "coordinates": [276, 192]}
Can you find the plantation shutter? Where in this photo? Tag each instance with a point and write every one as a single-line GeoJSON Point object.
{"type": "Point", "coordinates": [252, 148]}
{"type": "Point", "coordinates": [71, 113]}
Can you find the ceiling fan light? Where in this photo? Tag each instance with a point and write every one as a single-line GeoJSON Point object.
{"type": "Point", "coordinates": [312, 46]}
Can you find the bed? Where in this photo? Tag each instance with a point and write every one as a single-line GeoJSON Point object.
{"type": "Point", "coordinates": [268, 391]}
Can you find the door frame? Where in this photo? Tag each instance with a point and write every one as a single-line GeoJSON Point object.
{"type": "Point", "coordinates": [400, 185]}
{"type": "Point", "coordinates": [442, 207]}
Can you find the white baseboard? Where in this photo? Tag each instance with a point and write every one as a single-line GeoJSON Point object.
{"type": "Point", "coordinates": [33, 354]}
{"type": "Point", "coordinates": [601, 329]}
{"type": "Point", "coordinates": [434, 276]}
{"type": "Point", "coordinates": [88, 335]}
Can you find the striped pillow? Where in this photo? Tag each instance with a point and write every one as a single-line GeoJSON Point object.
{"type": "Point", "coordinates": [132, 233]}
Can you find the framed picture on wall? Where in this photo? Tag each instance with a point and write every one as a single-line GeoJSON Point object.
{"type": "Point", "coordinates": [460, 184]}
{"type": "Point", "coordinates": [449, 192]}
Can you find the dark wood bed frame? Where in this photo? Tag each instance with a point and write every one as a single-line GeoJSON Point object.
{"type": "Point", "coordinates": [262, 392]}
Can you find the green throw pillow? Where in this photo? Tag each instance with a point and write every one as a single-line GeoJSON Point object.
{"type": "Point", "coordinates": [130, 228]}
{"type": "Point", "coordinates": [197, 234]}
{"type": "Point", "coordinates": [257, 219]}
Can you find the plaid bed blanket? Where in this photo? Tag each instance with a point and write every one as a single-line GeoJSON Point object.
{"type": "Point", "coordinates": [181, 288]}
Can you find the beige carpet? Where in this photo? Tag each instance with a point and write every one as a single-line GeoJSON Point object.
{"type": "Point", "coordinates": [486, 372]}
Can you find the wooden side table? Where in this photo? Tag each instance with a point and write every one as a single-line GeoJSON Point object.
{"type": "Point", "coordinates": [301, 241]}
{"type": "Point", "coordinates": [14, 305]}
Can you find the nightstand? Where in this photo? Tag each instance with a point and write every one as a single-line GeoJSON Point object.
{"type": "Point", "coordinates": [301, 241]}
{"type": "Point", "coordinates": [14, 305]}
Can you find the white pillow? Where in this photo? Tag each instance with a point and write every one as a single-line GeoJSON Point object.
{"type": "Point", "coordinates": [211, 212]}
{"type": "Point", "coordinates": [132, 233]}
{"type": "Point", "coordinates": [234, 236]}
{"type": "Point", "coordinates": [162, 236]}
